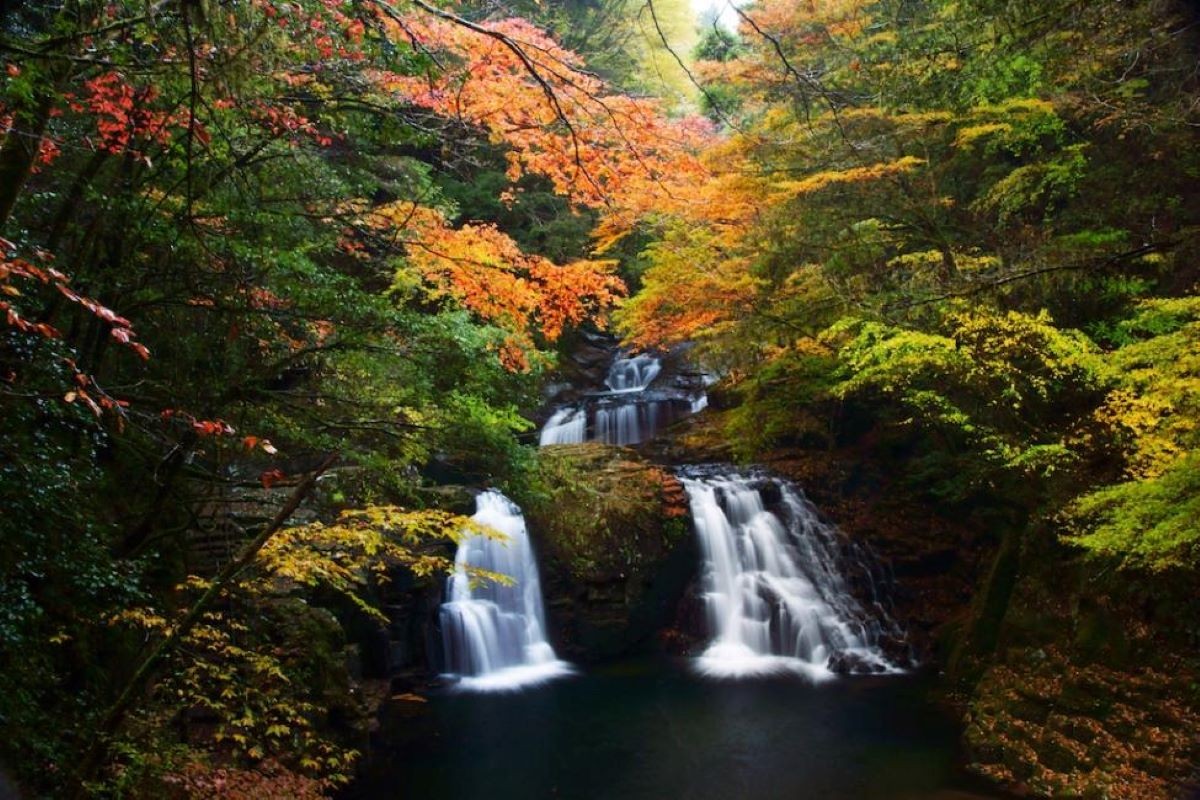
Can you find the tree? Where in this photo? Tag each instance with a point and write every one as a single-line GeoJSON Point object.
{"type": "Point", "coordinates": [936, 222]}
{"type": "Point", "coordinates": [230, 250]}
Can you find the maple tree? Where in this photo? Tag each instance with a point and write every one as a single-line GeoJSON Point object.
{"type": "Point", "coordinates": [482, 269]}
{"type": "Point", "coordinates": [237, 239]}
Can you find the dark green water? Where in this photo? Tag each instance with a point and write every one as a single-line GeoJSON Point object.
{"type": "Point", "coordinates": [651, 730]}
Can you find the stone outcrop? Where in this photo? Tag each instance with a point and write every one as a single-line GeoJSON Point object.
{"type": "Point", "coordinates": [613, 535]}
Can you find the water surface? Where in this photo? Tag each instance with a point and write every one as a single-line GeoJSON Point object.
{"type": "Point", "coordinates": [655, 730]}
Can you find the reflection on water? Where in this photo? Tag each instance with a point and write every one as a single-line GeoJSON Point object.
{"type": "Point", "coordinates": [652, 730]}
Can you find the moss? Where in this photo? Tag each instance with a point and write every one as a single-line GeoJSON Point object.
{"type": "Point", "coordinates": [602, 512]}
{"type": "Point", "coordinates": [615, 542]}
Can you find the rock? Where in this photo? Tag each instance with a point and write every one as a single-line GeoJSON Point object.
{"type": "Point", "coordinates": [852, 664]}
{"type": "Point", "coordinates": [614, 541]}
{"type": "Point", "coordinates": [451, 497]}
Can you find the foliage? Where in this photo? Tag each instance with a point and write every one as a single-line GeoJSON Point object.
{"type": "Point", "coordinates": [261, 670]}
{"type": "Point", "coordinates": [1147, 523]}
{"type": "Point", "coordinates": [1153, 417]}
{"type": "Point", "coordinates": [962, 235]}
{"type": "Point", "coordinates": [237, 239]}
{"type": "Point", "coordinates": [239, 236]}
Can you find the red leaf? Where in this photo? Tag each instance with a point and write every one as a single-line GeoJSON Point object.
{"type": "Point", "coordinates": [271, 477]}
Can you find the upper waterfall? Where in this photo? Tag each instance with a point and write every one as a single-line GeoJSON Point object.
{"type": "Point", "coordinates": [494, 634]}
{"type": "Point", "coordinates": [773, 589]}
{"type": "Point", "coordinates": [632, 407]}
{"type": "Point", "coordinates": [633, 373]}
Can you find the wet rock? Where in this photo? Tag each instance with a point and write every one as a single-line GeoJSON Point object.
{"type": "Point", "coordinates": [853, 664]}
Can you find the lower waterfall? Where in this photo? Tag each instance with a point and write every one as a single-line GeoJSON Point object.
{"type": "Point", "coordinates": [775, 597]}
{"type": "Point", "coordinates": [494, 635]}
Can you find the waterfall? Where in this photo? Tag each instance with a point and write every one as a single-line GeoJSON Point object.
{"type": "Point", "coordinates": [567, 425]}
{"type": "Point", "coordinates": [632, 374]}
{"type": "Point", "coordinates": [629, 412]}
{"type": "Point", "coordinates": [494, 635]}
{"type": "Point", "coordinates": [775, 596]}
{"type": "Point", "coordinates": [627, 423]}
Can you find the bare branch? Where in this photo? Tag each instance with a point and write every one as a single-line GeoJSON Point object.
{"type": "Point", "coordinates": [712, 101]}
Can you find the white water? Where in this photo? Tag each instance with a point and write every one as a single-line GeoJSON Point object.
{"type": "Point", "coordinates": [775, 598]}
{"type": "Point", "coordinates": [628, 413]}
{"type": "Point", "coordinates": [627, 423]}
{"type": "Point", "coordinates": [566, 426]}
{"type": "Point", "coordinates": [494, 635]}
{"type": "Point", "coordinates": [629, 420]}
{"type": "Point", "coordinates": [633, 374]}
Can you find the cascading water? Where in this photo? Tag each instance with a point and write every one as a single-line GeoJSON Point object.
{"type": "Point", "coordinates": [494, 635]}
{"type": "Point", "coordinates": [627, 423]}
{"type": "Point", "coordinates": [774, 592]}
{"type": "Point", "coordinates": [565, 426]}
{"type": "Point", "coordinates": [633, 374]}
{"type": "Point", "coordinates": [628, 411]}
{"type": "Point", "coordinates": [775, 597]}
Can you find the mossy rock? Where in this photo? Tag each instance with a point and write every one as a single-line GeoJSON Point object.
{"type": "Point", "coordinates": [615, 541]}
{"type": "Point", "coordinates": [602, 512]}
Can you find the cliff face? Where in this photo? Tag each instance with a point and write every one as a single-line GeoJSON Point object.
{"type": "Point", "coordinates": [615, 545]}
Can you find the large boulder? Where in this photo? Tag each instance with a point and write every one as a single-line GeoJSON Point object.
{"type": "Point", "coordinates": [613, 534]}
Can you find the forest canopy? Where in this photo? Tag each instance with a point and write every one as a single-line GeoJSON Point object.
{"type": "Point", "coordinates": [974, 224]}
{"type": "Point", "coordinates": [242, 242]}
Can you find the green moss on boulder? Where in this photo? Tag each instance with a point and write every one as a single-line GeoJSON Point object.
{"type": "Point", "coordinates": [613, 534]}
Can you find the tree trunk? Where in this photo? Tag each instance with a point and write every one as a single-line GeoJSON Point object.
{"type": "Point", "coordinates": [19, 154]}
{"type": "Point", "coordinates": [981, 636]}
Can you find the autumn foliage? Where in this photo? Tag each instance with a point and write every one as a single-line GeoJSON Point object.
{"type": "Point", "coordinates": [317, 226]}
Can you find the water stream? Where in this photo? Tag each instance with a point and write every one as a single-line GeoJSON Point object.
{"type": "Point", "coordinates": [629, 410]}
{"type": "Point", "coordinates": [567, 425]}
{"type": "Point", "coordinates": [633, 373]}
{"type": "Point", "coordinates": [493, 633]}
{"type": "Point", "coordinates": [774, 580]}
{"type": "Point", "coordinates": [773, 586]}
